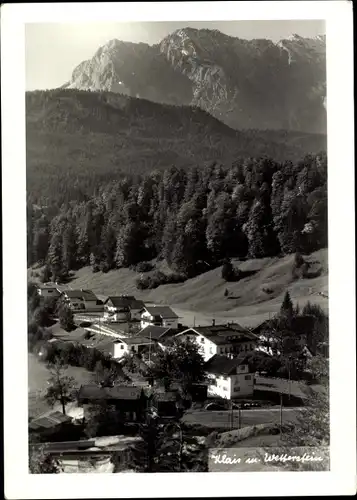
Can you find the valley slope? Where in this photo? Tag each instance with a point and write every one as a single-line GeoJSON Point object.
{"type": "Point", "coordinates": [93, 137]}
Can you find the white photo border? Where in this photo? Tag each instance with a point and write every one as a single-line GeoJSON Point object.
{"type": "Point", "coordinates": [340, 480]}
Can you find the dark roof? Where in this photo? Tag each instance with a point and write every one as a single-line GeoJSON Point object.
{"type": "Point", "coordinates": [161, 311]}
{"type": "Point", "coordinates": [137, 304]}
{"type": "Point", "coordinates": [80, 294]}
{"type": "Point", "coordinates": [153, 332]}
{"type": "Point", "coordinates": [126, 301]}
{"type": "Point", "coordinates": [227, 329]}
{"type": "Point", "coordinates": [223, 365]}
{"type": "Point", "coordinates": [48, 421]}
{"type": "Point", "coordinates": [300, 325]}
{"type": "Point", "coordinates": [123, 392]}
{"type": "Point", "coordinates": [224, 334]}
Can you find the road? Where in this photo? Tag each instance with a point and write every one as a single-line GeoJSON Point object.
{"type": "Point", "coordinates": [248, 417]}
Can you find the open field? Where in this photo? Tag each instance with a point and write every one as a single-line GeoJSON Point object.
{"type": "Point", "coordinates": [38, 375]}
{"type": "Point", "coordinates": [251, 300]}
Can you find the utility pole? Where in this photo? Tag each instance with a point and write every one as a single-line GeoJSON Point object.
{"type": "Point", "coordinates": [232, 416]}
{"type": "Point", "coordinates": [281, 413]}
{"type": "Point", "coordinates": [239, 416]}
{"type": "Point", "coordinates": [289, 377]}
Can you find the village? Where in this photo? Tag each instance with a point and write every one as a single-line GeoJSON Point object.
{"type": "Point", "coordinates": [129, 332]}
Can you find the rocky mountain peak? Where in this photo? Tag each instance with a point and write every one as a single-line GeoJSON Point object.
{"type": "Point", "coordinates": [245, 83]}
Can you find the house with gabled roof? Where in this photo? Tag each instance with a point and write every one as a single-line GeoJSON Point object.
{"type": "Point", "coordinates": [123, 307]}
{"type": "Point", "coordinates": [229, 377]}
{"type": "Point", "coordinates": [229, 339]}
{"type": "Point", "coordinates": [48, 291]}
{"type": "Point", "coordinates": [129, 401]}
{"type": "Point", "coordinates": [159, 316]}
{"type": "Point", "coordinates": [82, 300]}
{"type": "Point", "coordinates": [131, 345]}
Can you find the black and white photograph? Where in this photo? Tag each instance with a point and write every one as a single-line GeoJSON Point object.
{"type": "Point", "coordinates": [177, 286]}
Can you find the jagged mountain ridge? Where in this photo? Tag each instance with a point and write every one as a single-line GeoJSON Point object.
{"type": "Point", "coordinates": [245, 83]}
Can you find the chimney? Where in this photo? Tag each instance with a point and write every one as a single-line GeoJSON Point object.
{"type": "Point", "coordinates": [213, 322]}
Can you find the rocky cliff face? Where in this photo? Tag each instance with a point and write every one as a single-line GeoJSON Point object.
{"type": "Point", "coordinates": [246, 84]}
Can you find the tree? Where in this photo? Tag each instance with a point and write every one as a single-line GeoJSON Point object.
{"type": "Point", "coordinates": [61, 387]}
{"type": "Point", "coordinates": [312, 426]}
{"type": "Point", "coordinates": [287, 307]}
{"type": "Point", "coordinates": [46, 274]}
{"type": "Point", "coordinates": [180, 362]}
{"type": "Point", "coordinates": [54, 257]}
{"type": "Point", "coordinates": [41, 462]}
{"type": "Point", "coordinates": [167, 448]}
{"type": "Point", "coordinates": [145, 453]}
{"type": "Point", "coordinates": [105, 376]}
{"type": "Point", "coordinates": [69, 248]}
{"type": "Point", "coordinates": [228, 273]}
{"type": "Point", "coordinates": [41, 316]}
{"type": "Point", "coordinates": [65, 316]}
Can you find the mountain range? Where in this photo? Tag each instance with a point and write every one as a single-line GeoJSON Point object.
{"type": "Point", "coordinates": [244, 83]}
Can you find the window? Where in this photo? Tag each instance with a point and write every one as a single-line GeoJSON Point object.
{"type": "Point", "coordinates": [225, 389]}
{"type": "Point", "coordinates": [211, 350]}
{"type": "Point", "coordinates": [236, 388]}
{"type": "Point", "coordinates": [221, 350]}
{"type": "Point", "coordinates": [247, 377]}
{"type": "Point", "coordinates": [202, 340]}
{"type": "Point", "coordinates": [121, 347]}
{"type": "Point", "coordinates": [50, 291]}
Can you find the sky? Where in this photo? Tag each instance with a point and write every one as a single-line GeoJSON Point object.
{"type": "Point", "coordinates": [53, 50]}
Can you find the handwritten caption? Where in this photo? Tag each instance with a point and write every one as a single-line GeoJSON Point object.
{"type": "Point", "coordinates": [244, 459]}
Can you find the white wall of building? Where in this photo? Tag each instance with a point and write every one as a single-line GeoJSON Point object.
{"type": "Point", "coordinates": [220, 387]}
{"type": "Point", "coordinates": [233, 386]}
{"type": "Point", "coordinates": [170, 323]}
{"type": "Point", "coordinates": [120, 349]}
{"type": "Point", "coordinates": [147, 319]}
{"type": "Point", "coordinates": [48, 292]}
{"type": "Point", "coordinates": [209, 348]}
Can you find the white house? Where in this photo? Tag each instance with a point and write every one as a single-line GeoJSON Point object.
{"type": "Point", "coordinates": [159, 316]}
{"type": "Point", "coordinates": [82, 300]}
{"type": "Point", "coordinates": [229, 377]}
{"type": "Point", "coordinates": [48, 291]}
{"type": "Point", "coordinates": [128, 345]}
{"type": "Point", "coordinates": [225, 340]}
{"type": "Point", "coordinates": [123, 307]}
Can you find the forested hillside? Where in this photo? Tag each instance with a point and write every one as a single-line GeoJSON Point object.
{"type": "Point", "coordinates": [78, 141]}
{"type": "Point", "coordinates": [191, 217]}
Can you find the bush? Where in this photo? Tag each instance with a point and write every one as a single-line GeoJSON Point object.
{"type": "Point", "coordinates": [228, 273]}
{"type": "Point", "coordinates": [159, 278]}
{"type": "Point", "coordinates": [142, 267]}
{"type": "Point", "coordinates": [298, 260]}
